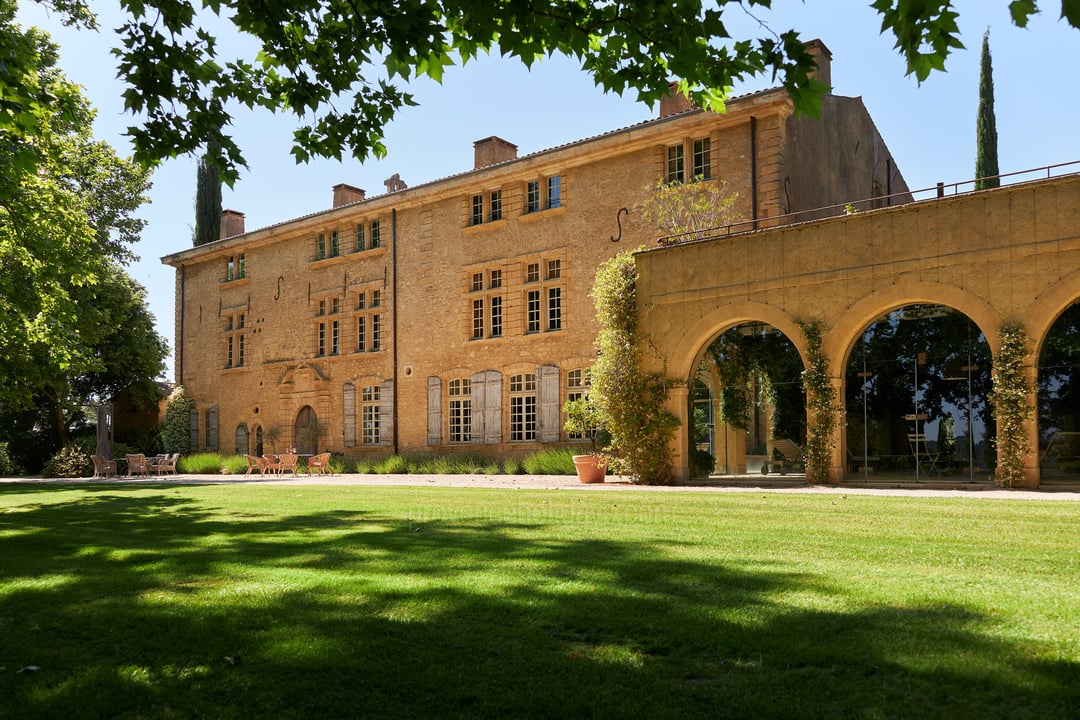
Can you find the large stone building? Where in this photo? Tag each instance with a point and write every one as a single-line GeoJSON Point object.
{"type": "Point", "coordinates": [455, 315]}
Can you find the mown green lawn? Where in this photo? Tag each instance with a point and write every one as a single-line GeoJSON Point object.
{"type": "Point", "coordinates": [338, 602]}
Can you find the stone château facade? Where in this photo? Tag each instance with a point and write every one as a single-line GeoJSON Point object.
{"type": "Point", "coordinates": [454, 315]}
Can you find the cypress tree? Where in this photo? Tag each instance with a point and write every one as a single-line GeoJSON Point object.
{"type": "Point", "coordinates": [207, 199]}
{"type": "Point", "coordinates": [986, 154]}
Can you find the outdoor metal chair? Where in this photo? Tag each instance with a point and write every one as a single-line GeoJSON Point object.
{"type": "Point", "coordinates": [926, 460]}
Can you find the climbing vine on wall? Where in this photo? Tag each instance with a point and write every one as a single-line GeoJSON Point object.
{"type": "Point", "coordinates": [630, 402]}
{"type": "Point", "coordinates": [821, 404]}
{"type": "Point", "coordinates": [1011, 399]}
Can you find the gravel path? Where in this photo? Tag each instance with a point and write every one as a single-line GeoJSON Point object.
{"type": "Point", "coordinates": [560, 482]}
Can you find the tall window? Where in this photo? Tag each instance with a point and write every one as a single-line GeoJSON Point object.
{"type": "Point", "coordinates": [575, 390]}
{"type": "Point", "coordinates": [702, 159]}
{"type": "Point", "coordinates": [235, 267]}
{"type": "Point", "coordinates": [675, 163]}
{"type": "Point", "coordinates": [523, 407]}
{"type": "Point", "coordinates": [460, 411]}
{"type": "Point", "coordinates": [320, 246]}
{"type": "Point", "coordinates": [234, 340]}
{"type": "Point", "coordinates": [321, 343]}
{"type": "Point", "coordinates": [477, 210]}
{"type": "Point", "coordinates": [532, 196]}
{"type": "Point", "coordinates": [376, 234]}
{"type": "Point", "coordinates": [485, 304]}
{"type": "Point", "coordinates": [496, 316]}
{"type": "Point", "coordinates": [359, 236]}
{"type": "Point", "coordinates": [532, 311]}
{"type": "Point", "coordinates": [554, 308]}
{"type": "Point", "coordinates": [335, 337]}
{"type": "Point", "coordinates": [335, 244]}
{"type": "Point", "coordinates": [367, 324]}
{"type": "Point", "coordinates": [369, 409]}
{"type": "Point", "coordinates": [495, 211]}
{"type": "Point", "coordinates": [554, 198]}
{"type": "Point", "coordinates": [478, 319]}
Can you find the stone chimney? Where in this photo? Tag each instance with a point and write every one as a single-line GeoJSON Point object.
{"type": "Point", "coordinates": [232, 223]}
{"type": "Point", "coordinates": [345, 194]}
{"type": "Point", "coordinates": [492, 151]}
{"type": "Point", "coordinates": [823, 58]}
{"type": "Point", "coordinates": [394, 183]}
{"type": "Point", "coordinates": [674, 102]}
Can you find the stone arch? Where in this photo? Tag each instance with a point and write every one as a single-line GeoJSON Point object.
{"type": "Point", "coordinates": [849, 326]}
{"type": "Point", "coordinates": [845, 332]}
{"type": "Point", "coordinates": [1049, 306]}
{"type": "Point", "coordinates": [1056, 432]}
{"type": "Point", "coordinates": [729, 443]}
{"type": "Point", "coordinates": [683, 359]}
{"type": "Point", "coordinates": [306, 431]}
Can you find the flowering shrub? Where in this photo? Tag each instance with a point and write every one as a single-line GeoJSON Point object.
{"type": "Point", "coordinates": [630, 402]}
{"type": "Point", "coordinates": [176, 434]}
{"type": "Point", "coordinates": [821, 402]}
{"type": "Point", "coordinates": [1011, 399]}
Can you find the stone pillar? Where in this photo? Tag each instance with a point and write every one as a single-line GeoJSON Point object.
{"type": "Point", "coordinates": [678, 405]}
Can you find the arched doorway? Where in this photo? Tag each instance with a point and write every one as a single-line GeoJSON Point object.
{"type": "Point", "coordinates": [751, 376]}
{"type": "Point", "coordinates": [306, 431]}
{"type": "Point", "coordinates": [916, 407]}
{"type": "Point", "coordinates": [1059, 399]}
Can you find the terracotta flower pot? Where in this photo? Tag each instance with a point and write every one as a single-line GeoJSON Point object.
{"type": "Point", "coordinates": [590, 468]}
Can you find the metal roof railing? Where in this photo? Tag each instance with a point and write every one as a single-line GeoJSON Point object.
{"type": "Point", "coordinates": [939, 191]}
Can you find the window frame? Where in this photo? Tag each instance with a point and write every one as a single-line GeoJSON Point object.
{"type": "Point", "coordinates": [702, 158]}
{"type": "Point", "coordinates": [523, 407]}
{"type": "Point", "coordinates": [675, 164]}
{"type": "Point", "coordinates": [459, 404]}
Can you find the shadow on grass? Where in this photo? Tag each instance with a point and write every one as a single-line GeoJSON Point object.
{"type": "Point", "coordinates": [158, 606]}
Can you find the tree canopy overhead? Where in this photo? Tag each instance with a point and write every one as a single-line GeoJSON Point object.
{"type": "Point", "coordinates": [337, 64]}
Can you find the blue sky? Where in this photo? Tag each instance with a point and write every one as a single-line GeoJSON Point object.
{"type": "Point", "coordinates": [930, 129]}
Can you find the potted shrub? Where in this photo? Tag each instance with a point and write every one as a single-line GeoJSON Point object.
{"type": "Point", "coordinates": [583, 418]}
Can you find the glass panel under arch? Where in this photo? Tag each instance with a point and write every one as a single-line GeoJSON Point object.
{"type": "Point", "coordinates": [916, 398]}
{"type": "Point", "coordinates": [1059, 399]}
{"type": "Point", "coordinates": [748, 387]}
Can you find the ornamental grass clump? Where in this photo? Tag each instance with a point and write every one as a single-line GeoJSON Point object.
{"type": "Point", "coordinates": [630, 401]}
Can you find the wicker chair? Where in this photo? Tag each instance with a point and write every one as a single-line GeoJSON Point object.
{"type": "Point", "coordinates": [166, 464]}
{"type": "Point", "coordinates": [104, 468]}
{"type": "Point", "coordinates": [319, 464]}
{"type": "Point", "coordinates": [138, 465]}
{"type": "Point", "coordinates": [287, 463]}
{"type": "Point", "coordinates": [256, 463]}
{"type": "Point", "coordinates": [273, 464]}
